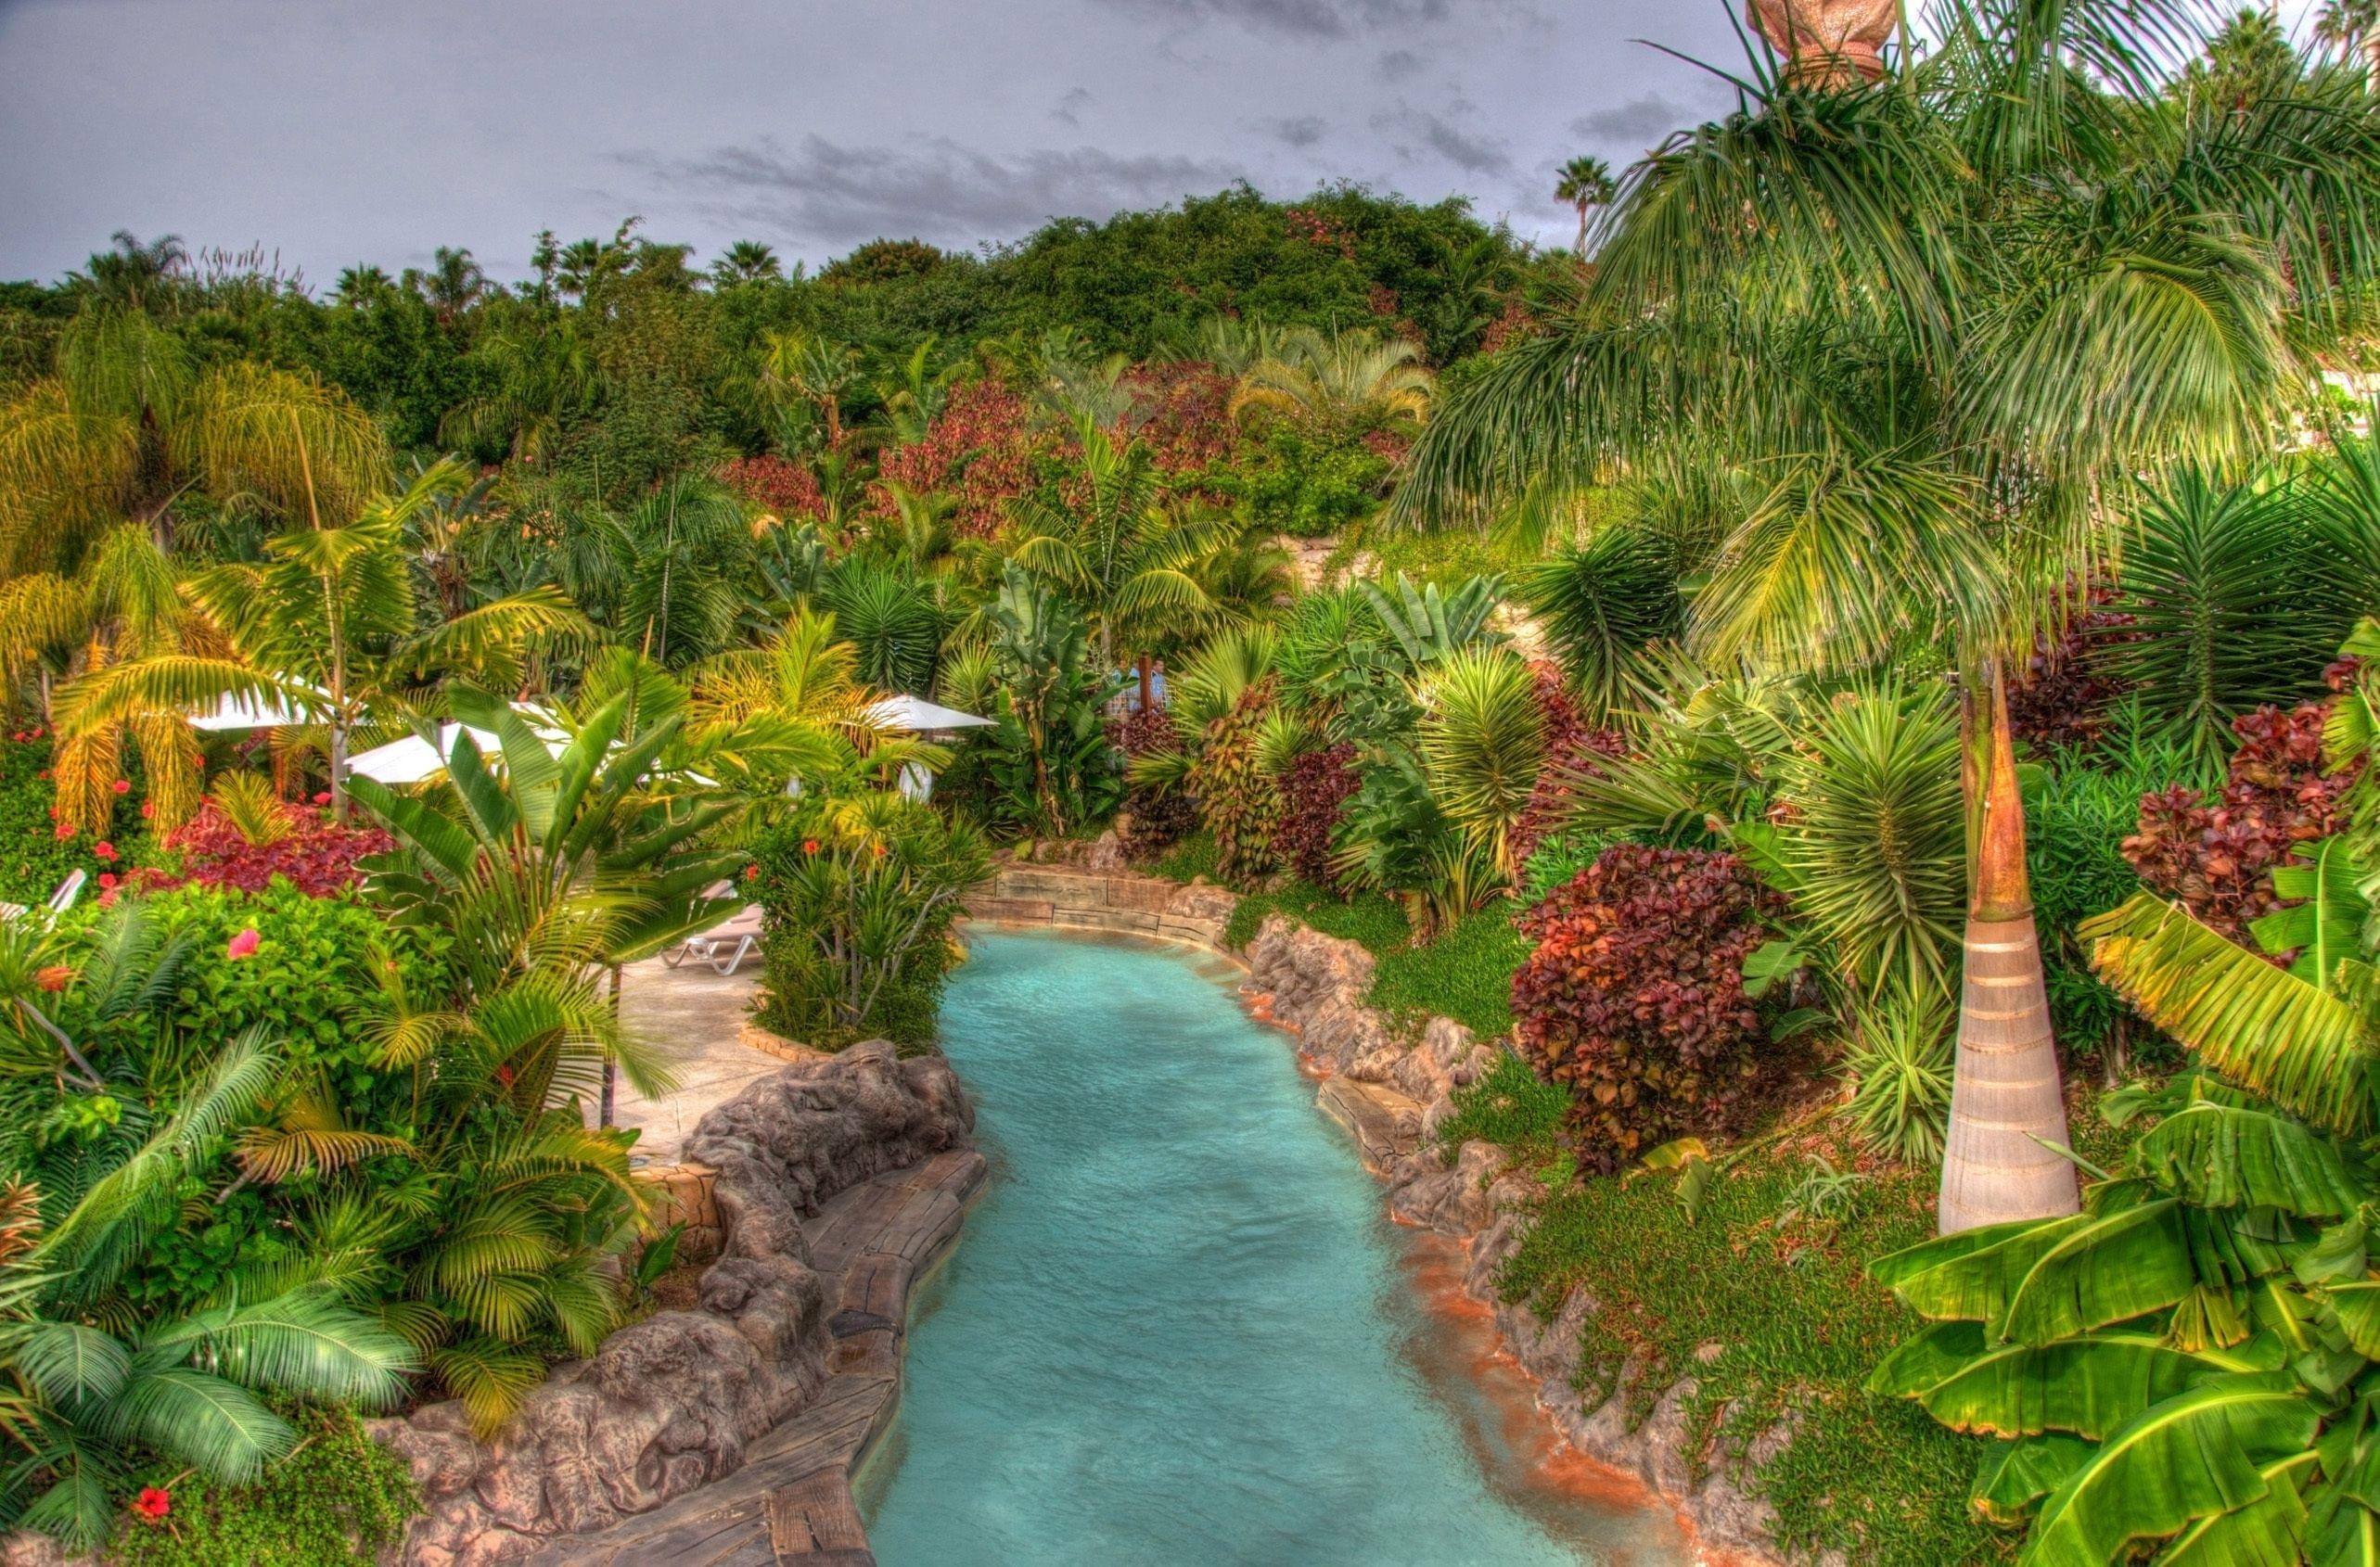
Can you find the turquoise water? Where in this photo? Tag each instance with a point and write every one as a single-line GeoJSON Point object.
{"type": "Point", "coordinates": [1178, 1327]}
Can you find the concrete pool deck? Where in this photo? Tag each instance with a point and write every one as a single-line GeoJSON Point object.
{"type": "Point", "coordinates": [695, 1016]}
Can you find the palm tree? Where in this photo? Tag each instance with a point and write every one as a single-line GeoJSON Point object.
{"type": "Point", "coordinates": [746, 261]}
{"type": "Point", "coordinates": [328, 623]}
{"type": "Point", "coordinates": [1141, 574]}
{"type": "Point", "coordinates": [812, 370]}
{"type": "Point", "coordinates": [362, 285]}
{"type": "Point", "coordinates": [1339, 385]}
{"type": "Point", "coordinates": [126, 424]}
{"type": "Point", "coordinates": [1977, 302]}
{"type": "Point", "coordinates": [546, 379]}
{"type": "Point", "coordinates": [2353, 25]}
{"type": "Point", "coordinates": [452, 285]}
{"type": "Point", "coordinates": [130, 273]}
{"type": "Point", "coordinates": [1586, 184]}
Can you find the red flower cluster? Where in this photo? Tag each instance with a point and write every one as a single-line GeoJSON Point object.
{"type": "Point", "coordinates": [2216, 858]}
{"type": "Point", "coordinates": [1321, 230]}
{"type": "Point", "coordinates": [318, 857]}
{"type": "Point", "coordinates": [153, 1504]}
{"type": "Point", "coordinates": [1314, 792]}
{"type": "Point", "coordinates": [1570, 748]}
{"type": "Point", "coordinates": [979, 448]}
{"type": "Point", "coordinates": [785, 488]}
{"type": "Point", "coordinates": [1634, 997]}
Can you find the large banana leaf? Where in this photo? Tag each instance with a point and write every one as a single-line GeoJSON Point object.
{"type": "Point", "coordinates": [2039, 1281]}
{"type": "Point", "coordinates": [2014, 1476]}
{"type": "Point", "coordinates": [2195, 1455]}
{"type": "Point", "coordinates": [2221, 1156]}
{"type": "Point", "coordinates": [2264, 1028]}
{"type": "Point", "coordinates": [2326, 926]}
{"type": "Point", "coordinates": [2266, 1533]}
{"type": "Point", "coordinates": [2088, 1387]}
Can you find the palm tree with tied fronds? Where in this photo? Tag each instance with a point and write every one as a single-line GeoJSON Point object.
{"type": "Point", "coordinates": [1585, 183]}
{"type": "Point", "coordinates": [126, 424]}
{"type": "Point", "coordinates": [1339, 384]}
{"type": "Point", "coordinates": [1978, 301]}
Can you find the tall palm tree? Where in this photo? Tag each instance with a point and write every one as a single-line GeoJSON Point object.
{"type": "Point", "coordinates": [1978, 301]}
{"type": "Point", "coordinates": [746, 261]}
{"type": "Point", "coordinates": [452, 285]}
{"type": "Point", "coordinates": [132, 273]}
{"type": "Point", "coordinates": [1586, 184]}
{"type": "Point", "coordinates": [546, 378]}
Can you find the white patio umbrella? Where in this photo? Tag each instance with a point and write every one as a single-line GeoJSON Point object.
{"type": "Point", "coordinates": [412, 759]}
{"type": "Point", "coordinates": [915, 714]}
{"type": "Point", "coordinates": [250, 712]}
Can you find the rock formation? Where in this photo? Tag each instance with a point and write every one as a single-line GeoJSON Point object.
{"type": "Point", "coordinates": [676, 1401]}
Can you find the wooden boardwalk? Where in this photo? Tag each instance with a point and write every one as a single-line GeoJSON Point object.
{"type": "Point", "coordinates": [792, 1500]}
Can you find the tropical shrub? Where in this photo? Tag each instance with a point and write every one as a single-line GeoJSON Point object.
{"type": "Point", "coordinates": [1483, 744]}
{"type": "Point", "coordinates": [1871, 831]}
{"type": "Point", "coordinates": [2076, 819]}
{"type": "Point", "coordinates": [35, 856]}
{"type": "Point", "coordinates": [337, 1495]}
{"type": "Point", "coordinates": [1050, 764]}
{"type": "Point", "coordinates": [1570, 748]}
{"type": "Point", "coordinates": [1397, 840]}
{"type": "Point", "coordinates": [1604, 603]}
{"type": "Point", "coordinates": [2060, 699]}
{"type": "Point", "coordinates": [2216, 855]}
{"type": "Point", "coordinates": [1899, 1059]}
{"type": "Point", "coordinates": [1237, 799]}
{"type": "Point", "coordinates": [1633, 997]}
{"type": "Point", "coordinates": [1315, 787]}
{"type": "Point", "coordinates": [2232, 597]}
{"type": "Point", "coordinates": [861, 893]}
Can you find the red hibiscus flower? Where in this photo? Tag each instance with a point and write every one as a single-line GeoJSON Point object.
{"type": "Point", "coordinates": [147, 808]}
{"type": "Point", "coordinates": [106, 878]}
{"type": "Point", "coordinates": [244, 945]}
{"type": "Point", "coordinates": [103, 849]}
{"type": "Point", "coordinates": [808, 845]}
{"type": "Point", "coordinates": [153, 1504]}
{"type": "Point", "coordinates": [122, 786]}
{"type": "Point", "coordinates": [65, 831]}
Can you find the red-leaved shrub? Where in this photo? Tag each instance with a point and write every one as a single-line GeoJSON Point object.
{"type": "Point", "coordinates": [1314, 792]}
{"type": "Point", "coordinates": [1634, 997]}
{"type": "Point", "coordinates": [785, 487]}
{"type": "Point", "coordinates": [2062, 695]}
{"type": "Point", "coordinates": [2216, 858]}
{"type": "Point", "coordinates": [979, 448]}
{"type": "Point", "coordinates": [317, 857]}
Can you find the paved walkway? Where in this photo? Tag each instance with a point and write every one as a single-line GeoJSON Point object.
{"type": "Point", "coordinates": [695, 1016]}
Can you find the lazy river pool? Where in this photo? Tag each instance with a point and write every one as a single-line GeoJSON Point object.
{"type": "Point", "coordinates": [1179, 1325]}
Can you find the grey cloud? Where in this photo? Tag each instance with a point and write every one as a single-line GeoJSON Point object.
{"type": "Point", "coordinates": [1312, 18]}
{"type": "Point", "coordinates": [1303, 129]}
{"type": "Point", "coordinates": [827, 193]}
{"type": "Point", "coordinates": [1069, 107]}
{"type": "Point", "coordinates": [1472, 153]}
{"type": "Point", "coordinates": [1639, 121]}
{"type": "Point", "coordinates": [1398, 64]}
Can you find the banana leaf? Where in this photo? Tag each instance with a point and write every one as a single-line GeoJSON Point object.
{"type": "Point", "coordinates": [2086, 1386]}
{"type": "Point", "coordinates": [2014, 1476]}
{"type": "Point", "coordinates": [2266, 1533]}
{"type": "Point", "coordinates": [2217, 1156]}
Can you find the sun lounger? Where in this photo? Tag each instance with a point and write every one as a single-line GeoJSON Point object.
{"type": "Point", "coordinates": [59, 901]}
{"type": "Point", "coordinates": [724, 948]}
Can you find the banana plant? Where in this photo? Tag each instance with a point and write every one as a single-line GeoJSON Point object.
{"type": "Point", "coordinates": [2191, 1362]}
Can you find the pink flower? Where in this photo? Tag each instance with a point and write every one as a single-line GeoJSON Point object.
{"type": "Point", "coordinates": [106, 878]}
{"type": "Point", "coordinates": [65, 831]}
{"type": "Point", "coordinates": [147, 808]}
{"type": "Point", "coordinates": [103, 849]}
{"type": "Point", "coordinates": [323, 798]}
{"type": "Point", "coordinates": [244, 945]}
{"type": "Point", "coordinates": [122, 786]}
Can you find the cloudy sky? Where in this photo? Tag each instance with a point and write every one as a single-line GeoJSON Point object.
{"type": "Point", "coordinates": [342, 130]}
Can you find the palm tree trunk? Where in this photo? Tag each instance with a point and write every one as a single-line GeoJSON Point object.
{"type": "Point", "coordinates": [1148, 682]}
{"type": "Point", "coordinates": [2005, 1099]}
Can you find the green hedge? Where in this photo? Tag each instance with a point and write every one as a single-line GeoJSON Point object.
{"type": "Point", "coordinates": [335, 1499]}
{"type": "Point", "coordinates": [33, 859]}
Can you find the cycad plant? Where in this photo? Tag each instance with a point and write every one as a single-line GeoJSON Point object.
{"type": "Point", "coordinates": [1337, 386]}
{"type": "Point", "coordinates": [1604, 605]}
{"type": "Point", "coordinates": [1942, 321]}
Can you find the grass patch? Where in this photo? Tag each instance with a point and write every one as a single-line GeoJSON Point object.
{"type": "Point", "coordinates": [1464, 975]}
{"type": "Point", "coordinates": [1191, 858]}
{"type": "Point", "coordinates": [1772, 1274]}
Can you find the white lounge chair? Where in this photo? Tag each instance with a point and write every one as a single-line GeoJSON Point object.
{"type": "Point", "coordinates": [59, 901]}
{"type": "Point", "coordinates": [724, 947]}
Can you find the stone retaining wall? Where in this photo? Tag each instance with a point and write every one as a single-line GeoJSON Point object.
{"type": "Point", "coordinates": [1113, 902]}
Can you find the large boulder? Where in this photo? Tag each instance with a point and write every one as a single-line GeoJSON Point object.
{"type": "Point", "coordinates": [676, 1401]}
